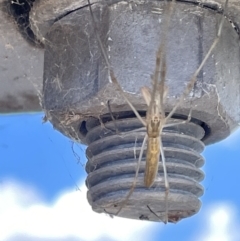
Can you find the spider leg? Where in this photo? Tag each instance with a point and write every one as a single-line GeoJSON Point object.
{"type": "Point", "coordinates": [162, 114]}
{"type": "Point", "coordinates": [193, 80]}
{"type": "Point", "coordinates": [111, 72]}
{"type": "Point", "coordinates": [136, 175]}
{"type": "Point", "coordinates": [165, 180]}
{"type": "Point", "coordinates": [146, 93]}
{"type": "Point", "coordinates": [181, 122]}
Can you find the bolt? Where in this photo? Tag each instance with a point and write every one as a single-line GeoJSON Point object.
{"type": "Point", "coordinates": [112, 163]}
{"type": "Point", "coordinates": [77, 91]}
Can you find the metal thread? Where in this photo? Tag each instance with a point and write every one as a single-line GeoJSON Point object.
{"type": "Point", "coordinates": [114, 146]}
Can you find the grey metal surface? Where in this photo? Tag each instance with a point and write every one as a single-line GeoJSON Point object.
{"type": "Point", "coordinates": [21, 68]}
{"type": "Point", "coordinates": [78, 95]}
{"type": "Point", "coordinates": [76, 82]}
{"type": "Point", "coordinates": [112, 163]}
{"type": "Point", "coordinates": [46, 12]}
{"type": "Point", "coordinates": [22, 62]}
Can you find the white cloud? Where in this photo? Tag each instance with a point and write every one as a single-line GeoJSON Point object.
{"type": "Point", "coordinates": [23, 212]}
{"type": "Point", "coordinates": [220, 224]}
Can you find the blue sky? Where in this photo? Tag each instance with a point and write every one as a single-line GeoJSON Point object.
{"type": "Point", "coordinates": [40, 198]}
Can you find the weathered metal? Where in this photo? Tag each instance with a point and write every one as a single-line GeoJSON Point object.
{"type": "Point", "coordinates": [80, 100]}
{"type": "Point", "coordinates": [77, 91]}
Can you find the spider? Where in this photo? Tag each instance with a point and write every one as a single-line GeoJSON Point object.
{"type": "Point", "coordinates": [156, 119]}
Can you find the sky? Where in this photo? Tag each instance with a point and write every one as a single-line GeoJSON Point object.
{"type": "Point", "coordinates": [43, 195]}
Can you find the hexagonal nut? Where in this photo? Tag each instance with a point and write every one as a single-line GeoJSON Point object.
{"type": "Point", "coordinates": [77, 86]}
